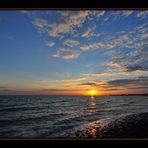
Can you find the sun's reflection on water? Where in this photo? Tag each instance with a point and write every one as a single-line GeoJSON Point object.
{"type": "Point", "coordinates": [92, 105]}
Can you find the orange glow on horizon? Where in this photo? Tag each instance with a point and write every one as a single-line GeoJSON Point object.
{"type": "Point", "coordinates": [80, 92]}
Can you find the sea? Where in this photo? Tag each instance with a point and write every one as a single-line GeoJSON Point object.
{"type": "Point", "coordinates": [34, 116]}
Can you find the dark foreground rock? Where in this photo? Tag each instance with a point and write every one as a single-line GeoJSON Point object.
{"type": "Point", "coordinates": [131, 126]}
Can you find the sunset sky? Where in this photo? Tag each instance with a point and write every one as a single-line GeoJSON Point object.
{"type": "Point", "coordinates": [71, 52]}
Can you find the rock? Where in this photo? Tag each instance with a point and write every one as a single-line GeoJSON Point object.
{"type": "Point", "coordinates": [130, 126]}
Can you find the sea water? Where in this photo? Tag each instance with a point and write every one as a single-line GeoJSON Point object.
{"type": "Point", "coordinates": [54, 116]}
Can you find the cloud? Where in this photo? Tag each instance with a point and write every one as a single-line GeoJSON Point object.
{"type": "Point", "coordinates": [66, 54]}
{"type": "Point", "coordinates": [141, 81]}
{"type": "Point", "coordinates": [111, 64]}
{"type": "Point", "coordinates": [100, 13]}
{"type": "Point", "coordinates": [88, 33]}
{"type": "Point", "coordinates": [90, 84]}
{"type": "Point", "coordinates": [115, 16]}
{"type": "Point", "coordinates": [141, 29]}
{"type": "Point", "coordinates": [56, 90]}
{"type": "Point", "coordinates": [142, 14]}
{"type": "Point", "coordinates": [50, 44]}
{"type": "Point", "coordinates": [110, 74]}
{"type": "Point", "coordinates": [135, 68]}
{"type": "Point", "coordinates": [64, 13]}
{"type": "Point", "coordinates": [41, 23]}
{"type": "Point", "coordinates": [78, 18]}
{"type": "Point", "coordinates": [43, 82]}
{"type": "Point", "coordinates": [71, 43]}
{"type": "Point", "coordinates": [72, 20]}
{"type": "Point", "coordinates": [125, 47]}
{"type": "Point", "coordinates": [101, 85]}
{"type": "Point", "coordinates": [144, 36]}
{"type": "Point", "coordinates": [136, 57]}
{"type": "Point", "coordinates": [77, 79]}
{"type": "Point", "coordinates": [67, 91]}
{"type": "Point", "coordinates": [3, 88]}
{"type": "Point", "coordinates": [91, 47]}
{"type": "Point", "coordinates": [120, 58]}
{"type": "Point", "coordinates": [122, 13]}
{"type": "Point", "coordinates": [67, 26]}
{"type": "Point", "coordinates": [121, 41]}
{"type": "Point", "coordinates": [127, 13]}
{"type": "Point", "coordinates": [132, 60]}
{"type": "Point", "coordinates": [122, 84]}
{"type": "Point", "coordinates": [24, 12]}
{"type": "Point", "coordinates": [101, 74]}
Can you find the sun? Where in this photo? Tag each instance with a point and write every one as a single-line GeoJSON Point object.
{"type": "Point", "coordinates": [92, 92]}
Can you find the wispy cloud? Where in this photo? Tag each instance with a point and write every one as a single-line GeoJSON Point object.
{"type": "Point", "coordinates": [111, 64]}
{"type": "Point", "coordinates": [58, 90]}
{"type": "Point", "coordinates": [100, 13]}
{"type": "Point", "coordinates": [3, 88]}
{"type": "Point", "coordinates": [90, 47]}
{"type": "Point", "coordinates": [50, 44]}
{"type": "Point", "coordinates": [142, 14]}
{"type": "Point", "coordinates": [77, 79]}
{"type": "Point", "coordinates": [41, 23]}
{"type": "Point", "coordinates": [101, 74]}
{"type": "Point", "coordinates": [71, 43]}
{"type": "Point", "coordinates": [88, 84]}
{"type": "Point", "coordinates": [41, 81]}
{"type": "Point", "coordinates": [127, 13]}
{"type": "Point", "coordinates": [24, 12]}
{"type": "Point", "coordinates": [121, 13]}
{"type": "Point", "coordinates": [88, 33]}
{"type": "Point", "coordinates": [64, 13]}
{"type": "Point", "coordinates": [66, 54]}
{"type": "Point", "coordinates": [121, 41]}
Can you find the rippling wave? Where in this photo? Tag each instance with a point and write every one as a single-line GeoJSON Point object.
{"type": "Point", "coordinates": [54, 116]}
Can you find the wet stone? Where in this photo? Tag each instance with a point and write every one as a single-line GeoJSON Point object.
{"type": "Point", "coordinates": [135, 125]}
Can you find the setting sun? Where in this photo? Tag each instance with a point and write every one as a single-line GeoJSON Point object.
{"type": "Point", "coordinates": [92, 92]}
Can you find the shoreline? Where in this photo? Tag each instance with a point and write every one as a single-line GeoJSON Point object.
{"type": "Point", "coordinates": [129, 126]}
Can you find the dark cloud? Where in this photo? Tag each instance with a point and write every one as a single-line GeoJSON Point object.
{"type": "Point", "coordinates": [142, 81]}
{"type": "Point", "coordinates": [87, 84]}
{"type": "Point", "coordinates": [136, 67]}
{"type": "Point", "coordinates": [139, 87]}
{"type": "Point", "coordinates": [52, 90]}
{"type": "Point", "coordinates": [113, 89]}
{"type": "Point", "coordinates": [7, 91]}
{"type": "Point", "coordinates": [3, 87]}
